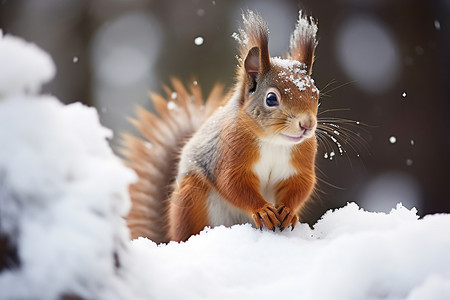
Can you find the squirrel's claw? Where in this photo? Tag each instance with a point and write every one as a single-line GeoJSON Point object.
{"type": "Point", "coordinates": [257, 221]}
{"type": "Point", "coordinates": [287, 217]}
{"type": "Point", "coordinates": [268, 216]}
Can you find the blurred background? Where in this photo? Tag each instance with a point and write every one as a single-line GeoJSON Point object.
{"type": "Point", "coordinates": [386, 63]}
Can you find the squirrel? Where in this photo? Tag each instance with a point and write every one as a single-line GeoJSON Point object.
{"type": "Point", "coordinates": [247, 157]}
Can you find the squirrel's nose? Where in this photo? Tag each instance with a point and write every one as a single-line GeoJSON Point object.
{"type": "Point", "coordinates": [307, 124]}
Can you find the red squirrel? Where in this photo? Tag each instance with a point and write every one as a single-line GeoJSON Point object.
{"type": "Point", "coordinates": [251, 160]}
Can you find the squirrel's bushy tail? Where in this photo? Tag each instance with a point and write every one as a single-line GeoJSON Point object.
{"type": "Point", "coordinates": [154, 156]}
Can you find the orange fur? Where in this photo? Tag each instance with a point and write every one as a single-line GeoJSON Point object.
{"type": "Point", "coordinates": [224, 156]}
{"type": "Point", "coordinates": [235, 180]}
{"type": "Point", "coordinates": [188, 212]}
{"type": "Point", "coordinates": [292, 193]}
{"type": "Point", "coordinates": [154, 156]}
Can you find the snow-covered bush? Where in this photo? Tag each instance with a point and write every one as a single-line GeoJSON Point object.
{"type": "Point", "coordinates": [62, 190]}
{"type": "Point", "coordinates": [63, 194]}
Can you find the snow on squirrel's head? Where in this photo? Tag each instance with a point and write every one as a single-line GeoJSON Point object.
{"type": "Point", "coordinates": [25, 67]}
{"type": "Point", "coordinates": [274, 88]}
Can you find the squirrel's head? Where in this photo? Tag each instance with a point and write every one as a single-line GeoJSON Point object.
{"type": "Point", "coordinates": [278, 94]}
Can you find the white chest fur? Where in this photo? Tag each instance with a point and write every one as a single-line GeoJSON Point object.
{"type": "Point", "coordinates": [272, 167]}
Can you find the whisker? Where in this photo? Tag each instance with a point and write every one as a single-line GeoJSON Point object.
{"type": "Point", "coordinates": [349, 121]}
{"type": "Point", "coordinates": [339, 86]}
{"type": "Point", "coordinates": [324, 139]}
{"type": "Point", "coordinates": [333, 81]}
{"type": "Point", "coordinates": [329, 184]}
{"type": "Point", "coordinates": [348, 135]}
{"type": "Point", "coordinates": [333, 110]}
{"type": "Point", "coordinates": [351, 139]}
{"type": "Point", "coordinates": [335, 141]}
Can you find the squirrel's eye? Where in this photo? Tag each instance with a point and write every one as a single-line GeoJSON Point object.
{"type": "Point", "coordinates": [271, 99]}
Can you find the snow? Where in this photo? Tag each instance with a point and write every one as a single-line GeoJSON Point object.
{"type": "Point", "coordinates": [350, 254]}
{"type": "Point", "coordinates": [306, 27]}
{"type": "Point", "coordinates": [201, 12]}
{"type": "Point", "coordinates": [171, 105]}
{"type": "Point", "coordinates": [26, 74]}
{"type": "Point", "coordinates": [241, 37]}
{"type": "Point", "coordinates": [392, 139]}
{"type": "Point", "coordinates": [198, 41]}
{"type": "Point", "coordinates": [63, 194]}
{"type": "Point", "coordinates": [295, 72]}
{"type": "Point", "coordinates": [437, 25]}
{"type": "Point", "coordinates": [289, 64]}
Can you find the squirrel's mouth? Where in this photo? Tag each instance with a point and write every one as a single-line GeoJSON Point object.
{"type": "Point", "coordinates": [303, 135]}
{"type": "Point", "coordinates": [295, 139]}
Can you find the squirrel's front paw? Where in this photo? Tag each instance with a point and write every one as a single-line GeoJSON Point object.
{"type": "Point", "coordinates": [268, 215]}
{"type": "Point", "coordinates": [286, 217]}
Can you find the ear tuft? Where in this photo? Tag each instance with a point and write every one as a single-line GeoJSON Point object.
{"type": "Point", "coordinates": [254, 34]}
{"type": "Point", "coordinates": [303, 41]}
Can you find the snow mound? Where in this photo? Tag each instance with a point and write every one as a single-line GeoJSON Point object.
{"type": "Point", "coordinates": [24, 66]}
{"type": "Point", "coordinates": [350, 254]}
{"type": "Point", "coordinates": [63, 195]}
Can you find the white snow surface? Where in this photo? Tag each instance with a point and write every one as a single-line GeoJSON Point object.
{"type": "Point", "coordinates": [62, 197]}
{"type": "Point", "coordinates": [63, 194]}
{"type": "Point", "coordinates": [26, 74]}
{"type": "Point", "coordinates": [350, 254]}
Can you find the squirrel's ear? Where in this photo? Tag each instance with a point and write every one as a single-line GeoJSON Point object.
{"type": "Point", "coordinates": [253, 44]}
{"type": "Point", "coordinates": [303, 41]}
{"type": "Point", "coordinates": [252, 63]}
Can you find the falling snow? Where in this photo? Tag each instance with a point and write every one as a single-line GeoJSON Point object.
{"type": "Point", "coordinates": [200, 12]}
{"type": "Point", "coordinates": [392, 139]}
{"type": "Point", "coordinates": [404, 95]}
{"type": "Point", "coordinates": [437, 25]}
{"type": "Point", "coordinates": [171, 105]}
{"type": "Point", "coordinates": [198, 41]}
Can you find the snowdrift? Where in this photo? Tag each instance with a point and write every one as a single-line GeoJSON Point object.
{"type": "Point", "coordinates": [63, 195]}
